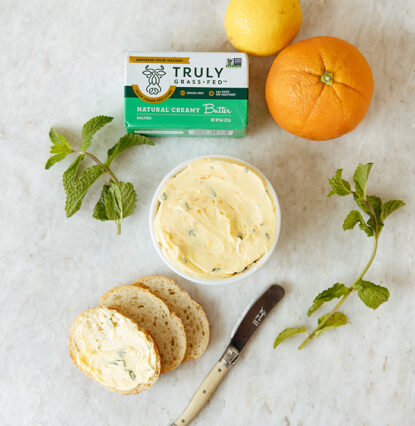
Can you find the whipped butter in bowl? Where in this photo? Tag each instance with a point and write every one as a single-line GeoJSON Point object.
{"type": "Point", "coordinates": [215, 220]}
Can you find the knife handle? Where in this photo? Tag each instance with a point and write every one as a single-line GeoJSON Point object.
{"type": "Point", "coordinates": [208, 386]}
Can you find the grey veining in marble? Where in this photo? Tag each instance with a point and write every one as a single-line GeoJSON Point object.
{"type": "Point", "coordinates": [62, 63]}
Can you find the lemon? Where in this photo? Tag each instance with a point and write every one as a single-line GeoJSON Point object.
{"type": "Point", "coordinates": [262, 27]}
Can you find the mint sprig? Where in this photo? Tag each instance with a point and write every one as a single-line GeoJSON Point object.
{"type": "Point", "coordinates": [118, 199]}
{"type": "Point", "coordinates": [372, 295]}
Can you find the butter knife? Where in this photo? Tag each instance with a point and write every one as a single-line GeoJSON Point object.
{"type": "Point", "coordinates": [251, 320]}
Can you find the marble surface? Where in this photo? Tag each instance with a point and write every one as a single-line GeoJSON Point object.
{"type": "Point", "coordinates": [62, 63]}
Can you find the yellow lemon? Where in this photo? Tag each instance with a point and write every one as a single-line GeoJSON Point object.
{"type": "Point", "coordinates": [262, 27]}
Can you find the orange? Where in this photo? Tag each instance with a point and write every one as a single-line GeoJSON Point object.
{"type": "Point", "coordinates": [319, 88]}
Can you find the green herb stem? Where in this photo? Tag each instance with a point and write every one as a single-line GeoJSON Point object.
{"type": "Point", "coordinates": [100, 163]}
{"type": "Point", "coordinates": [351, 289]}
{"type": "Point", "coordinates": [372, 257]}
{"type": "Point", "coordinates": [375, 221]}
{"type": "Point", "coordinates": [312, 334]}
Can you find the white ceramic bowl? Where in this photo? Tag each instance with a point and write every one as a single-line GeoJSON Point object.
{"type": "Point", "coordinates": [237, 277]}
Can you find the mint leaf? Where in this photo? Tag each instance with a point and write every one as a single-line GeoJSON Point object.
{"type": "Point", "coordinates": [351, 219]}
{"type": "Point", "coordinates": [116, 202]}
{"type": "Point", "coordinates": [60, 146]}
{"type": "Point", "coordinates": [127, 141]}
{"type": "Point", "coordinates": [120, 200]}
{"type": "Point", "coordinates": [113, 202]}
{"type": "Point", "coordinates": [54, 159]}
{"type": "Point", "coordinates": [288, 332]}
{"type": "Point", "coordinates": [376, 204]}
{"type": "Point", "coordinates": [355, 217]}
{"type": "Point", "coordinates": [91, 127]}
{"type": "Point", "coordinates": [372, 295]}
{"type": "Point", "coordinates": [360, 178]}
{"type": "Point", "coordinates": [389, 207]}
{"type": "Point", "coordinates": [77, 186]}
{"type": "Point", "coordinates": [68, 179]}
{"type": "Point", "coordinates": [99, 210]}
{"type": "Point", "coordinates": [334, 292]}
{"type": "Point", "coordinates": [339, 186]}
{"type": "Point", "coordinates": [336, 319]}
{"type": "Point", "coordinates": [362, 204]}
{"type": "Point", "coordinates": [59, 143]}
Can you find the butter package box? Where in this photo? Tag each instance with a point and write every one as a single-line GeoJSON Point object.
{"type": "Point", "coordinates": [186, 94]}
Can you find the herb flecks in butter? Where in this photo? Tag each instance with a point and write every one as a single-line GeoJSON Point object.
{"type": "Point", "coordinates": [118, 362]}
{"type": "Point", "coordinates": [213, 193]}
{"type": "Point", "coordinates": [227, 206]}
{"type": "Point", "coordinates": [191, 232]}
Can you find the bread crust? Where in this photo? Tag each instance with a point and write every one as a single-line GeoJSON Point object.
{"type": "Point", "coordinates": [73, 351]}
{"type": "Point", "coordinates": [191, 353]}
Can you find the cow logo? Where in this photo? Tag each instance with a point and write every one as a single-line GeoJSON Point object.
{"type": "Point", "coordinates": [154, 76]}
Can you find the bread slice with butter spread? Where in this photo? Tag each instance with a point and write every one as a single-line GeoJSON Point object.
{"type": "Point", "coordinates": [113, 350]}
{"type": "Point", "coordinates": [196, 324]}
{"type": "Point", "coordinates": [150, 312]}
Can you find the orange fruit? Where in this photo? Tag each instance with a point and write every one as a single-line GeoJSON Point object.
{"type": "Point", "coordinates": [319, 88]}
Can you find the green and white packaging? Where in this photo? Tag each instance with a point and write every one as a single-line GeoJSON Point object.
{"type": "Point", "coordinates": [186, 94]}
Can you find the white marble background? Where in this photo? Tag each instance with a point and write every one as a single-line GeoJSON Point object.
{"type": "Point", "coordinates": [62, 63]}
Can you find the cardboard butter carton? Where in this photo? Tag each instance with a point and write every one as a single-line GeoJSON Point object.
{"type": "Point", "coordinates": [186, 94]}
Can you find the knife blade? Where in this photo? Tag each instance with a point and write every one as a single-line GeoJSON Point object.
{"type": "Point", "coordinates": [254, 315]}
{"type": "Point", "coordinates": [252, 318]}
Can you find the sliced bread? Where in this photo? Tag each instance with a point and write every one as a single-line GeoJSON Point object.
{"type": "Point", "coordinates": [114, 351]}
{"type": "Point", "coordinates": [150, 312]}
{"type": "Point", "coordinates": [193, 316]}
